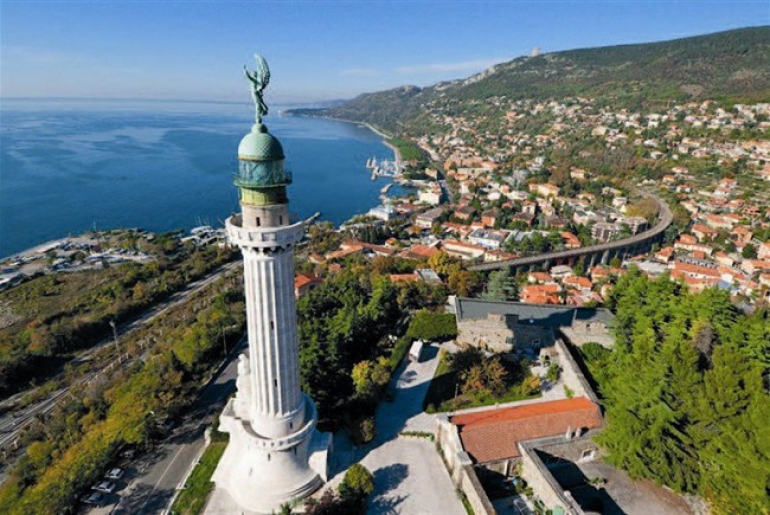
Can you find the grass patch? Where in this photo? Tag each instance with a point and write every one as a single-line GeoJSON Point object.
{"type": "Point", "coordinates": [399, 351]}
{"type": "Point", "coordinates": [408, 149]}
{"type": "Point", "coordinates": [418, 434]}
{"type": "Point", "coordinates": [192, 499]}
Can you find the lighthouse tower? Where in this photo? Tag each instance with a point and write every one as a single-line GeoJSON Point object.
{"type": "Point", "coordinates": [272, 424]}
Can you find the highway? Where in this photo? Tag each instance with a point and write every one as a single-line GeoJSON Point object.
{"type": "Point", "coordinates": [151, 480]}
{"type": "Point", "coordinates": [13, 421]}
{"type": "Point", "coordinates": [664, 221]}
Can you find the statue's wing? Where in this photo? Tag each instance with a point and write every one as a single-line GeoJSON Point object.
{"type": "Point", "coordinates": [264, 71]}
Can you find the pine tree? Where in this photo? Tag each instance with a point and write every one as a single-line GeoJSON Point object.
{"type": "Point", "coordinates": [501, 286]}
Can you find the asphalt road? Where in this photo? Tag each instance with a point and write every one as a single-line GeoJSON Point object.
{"type": "Point", "coordinates": [151, 480]}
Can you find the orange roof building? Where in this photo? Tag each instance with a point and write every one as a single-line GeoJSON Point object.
{"type": "Point", "coordinates": [304, 283]}
{"type": "Point", "coordinates": [494, 435]}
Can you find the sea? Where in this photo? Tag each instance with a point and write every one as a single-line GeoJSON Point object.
{"type": "Point", "coordinates": [70, 166]}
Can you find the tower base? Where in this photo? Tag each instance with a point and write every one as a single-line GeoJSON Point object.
{"type": "Point", "coordinates": [260, 474]}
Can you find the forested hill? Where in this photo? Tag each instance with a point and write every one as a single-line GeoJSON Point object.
{"type": "Point", "coordinates": [731, 65]}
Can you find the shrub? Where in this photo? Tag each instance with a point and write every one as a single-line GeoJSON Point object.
{"type": "Point", "coordinates": [531, 385]}
{"type": "Point", "coordinates": [554, 371]}
{"type": "Point", "coordinates": [357, 479]}
{"type": "Point", "coordinates": [433, 326]}
{"type": "Point", "coordinates": [399, 351]}
{"type": "Point", "coordinates": [361, 429]}
{"type": "Point", "coordinates": [355, 489]}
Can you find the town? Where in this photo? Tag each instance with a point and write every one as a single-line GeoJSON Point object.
{"type": "Point", "coordinates": [505, 201]}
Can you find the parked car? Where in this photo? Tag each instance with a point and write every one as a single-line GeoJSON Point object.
{"type": "Point", "coordinates": [94, 498]}
{"type": "Point", "coordinates": [416, 350]}
{"type": "Point", "coordinates": [520, 506]}
{"type": "Point", "coordinates": [115, 473]}
{"type": "Point", "coordinates": [104, 487]}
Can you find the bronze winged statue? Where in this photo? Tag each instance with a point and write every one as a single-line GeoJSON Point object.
{"type": "Point", "coordinates": [259, 81]}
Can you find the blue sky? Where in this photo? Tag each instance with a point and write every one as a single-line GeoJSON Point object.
{"type": "Point", "coordinates": [316, 49]}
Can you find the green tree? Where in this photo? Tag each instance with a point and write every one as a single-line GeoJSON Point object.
{"type": "Point", "coordinates": [430, 326]}
{"type": "Point", "coordinates": [501, 286]}
{"type": "Point", "coordinates": [356, 487]}
{"type": "Point", "coordinates": [684, 392]}
{"type": "Point", "coordinates": [370, 376]}
{"type": "Point", "coordinates": [749, 251]}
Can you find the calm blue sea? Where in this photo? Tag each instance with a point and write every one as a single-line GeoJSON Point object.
{"type": "Point", "coordinates": [68, 166]}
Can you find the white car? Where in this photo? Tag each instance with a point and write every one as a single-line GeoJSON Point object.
{"type": "Point", "coordinates": [115, 474]}
{"type": "Point", "coordinates": [104, 487]}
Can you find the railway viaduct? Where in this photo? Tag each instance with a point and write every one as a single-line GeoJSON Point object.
{"type": "Point", "coordinates": [594, 254]}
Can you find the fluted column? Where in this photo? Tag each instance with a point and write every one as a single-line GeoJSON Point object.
{"type": "Point", "coordinates": [276, 406]}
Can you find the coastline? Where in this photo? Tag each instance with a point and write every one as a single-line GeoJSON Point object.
{"type": "Point", "coordinates": [217, 199]}
{"type": "Point", "coordinates": [394, 149]}
{"type": "Point", "coordinates": [385, 137]}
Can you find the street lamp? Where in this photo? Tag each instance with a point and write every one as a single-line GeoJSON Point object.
{"type": "Point", "coordinates": [115, 335]}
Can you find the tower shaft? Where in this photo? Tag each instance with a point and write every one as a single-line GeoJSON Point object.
{"type": "Point", "coordinates": [275, 454]}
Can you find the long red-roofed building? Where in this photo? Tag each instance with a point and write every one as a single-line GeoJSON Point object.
{"type": "Point", "coordinates": [494, 435]}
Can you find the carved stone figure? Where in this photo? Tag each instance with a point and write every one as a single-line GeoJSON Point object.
{"type": "Point", "coordinates": [243, 384]}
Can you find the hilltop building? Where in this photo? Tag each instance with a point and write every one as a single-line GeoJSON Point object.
{"type": "Point", "coordinates": [514, 326]}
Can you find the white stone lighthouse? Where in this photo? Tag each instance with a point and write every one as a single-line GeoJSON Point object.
{"type": "Point", "coordinates": [275, 454]}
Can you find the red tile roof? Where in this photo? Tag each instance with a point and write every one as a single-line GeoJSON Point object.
{"type": "Point", "coordinates": [493, 435]}
{"type": "Point", "coordinates": [301, 280]}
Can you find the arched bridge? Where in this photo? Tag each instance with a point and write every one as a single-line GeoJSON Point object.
{"type": "Point", "coordinates": [601, 253]}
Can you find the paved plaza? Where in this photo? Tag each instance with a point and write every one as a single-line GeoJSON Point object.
{"type": "Point", "coordinates": [408, 472]}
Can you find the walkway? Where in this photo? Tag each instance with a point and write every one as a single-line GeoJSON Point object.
{"type": "Point", "coordinates": [409, 475]}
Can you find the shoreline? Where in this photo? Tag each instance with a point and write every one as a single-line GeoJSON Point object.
{"type": "Point", "coordinates": [16, 254]}
{"type": "Point", "coordinates": [385, 137]}
{"type": "Point", "coordinates": [394, 149]}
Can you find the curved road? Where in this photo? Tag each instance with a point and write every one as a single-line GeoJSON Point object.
{"type": "Point", "coordinates": [664, 221]}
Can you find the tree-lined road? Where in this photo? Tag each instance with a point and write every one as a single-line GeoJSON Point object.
{"type": "Point", "coordinates": [14, 421]}
{"type": "Point", "coordinates": [153, 479]}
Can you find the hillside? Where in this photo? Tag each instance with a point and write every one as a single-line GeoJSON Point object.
{"type": "Point", "coordinates": [730, 65]}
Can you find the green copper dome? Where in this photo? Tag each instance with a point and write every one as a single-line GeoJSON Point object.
{"type": "Point", "coordinates": [260, 157]}
{"type": "Point", "coordinates": [260, 145]}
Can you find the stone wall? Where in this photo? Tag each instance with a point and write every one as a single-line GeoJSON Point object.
{"type": "Point", "coordinates": [576, 450]}
{"type": "Point", "coordinates": [449, 444]}
{"type": "Point", "coordinates": [494, 333]}
{"type": "Point", "coordinates": [460, 466]}
{"type": "Point", "coordinates": [571, 374]}
{"type": "Point", "coordinates": [579, 337]}
{"type": "Point", "coordinates": [503, 333]}
{"type": "Point", "coordinates": [535, 336]}
{"type": "Point", "coordinates": [543, 483]}
{"type": "Point", "coordinates": [474, 492]}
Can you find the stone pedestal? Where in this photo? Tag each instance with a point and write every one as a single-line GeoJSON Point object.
{"type": "Point", "coordinates": [261, 473]}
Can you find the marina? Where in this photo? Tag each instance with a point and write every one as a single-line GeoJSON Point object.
{"type": "Point", "coordinates": [384, 168]}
